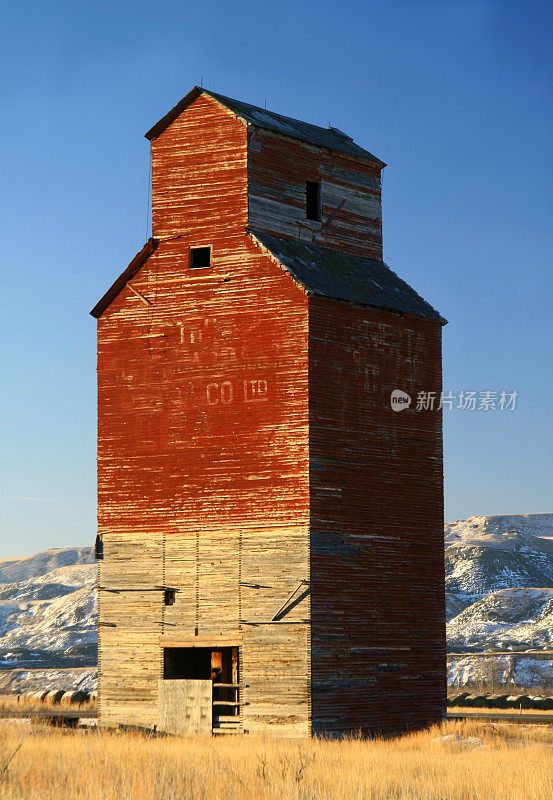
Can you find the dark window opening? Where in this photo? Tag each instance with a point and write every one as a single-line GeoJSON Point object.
{"type": "Point", "coordinates": [201, 663]}
{"type": "Point", "coordinates": [187, 663]}
{"type": "Point", "coordinates": [99, 548]}
{"type": "Point", "coordinates": [313, 200]}
{"type": "Point", "coordinates": [169, 597]}
{"type": "Point", "coordinates": [200, 257]}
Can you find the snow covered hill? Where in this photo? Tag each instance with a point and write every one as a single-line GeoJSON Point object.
{"type": "Point", "coordinates": [21, 569]}
{"type": "Point", "coordinates": [494, 526]}
{"type": "Point", "coordinates": [510, 619]}
{"type": "Point", "coordinates": [499, 583]}
{"type": "Point", "coordinates": [48, 615]}
{"type": "Point", "coordinates": [486, 554]}
{"type": "Point", "coordinates": [479, 566]}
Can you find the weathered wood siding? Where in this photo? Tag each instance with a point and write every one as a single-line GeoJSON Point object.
{"type": "Point", "coordinates": [185, 707]}
{"type": "Point", "coordinates": [203, 443]}
{"type": "Point", "coordinates": [276, 652]}
{"type": "Point", "coordinates": [129, 619]}
{"type": "Point", "coordinates": [199, 167]}
{"type": "Point", "coordinates": [377, 566]}
{"type": "Point", "coordinates": [230, 585]}
{"type": "Point", "coordinates": [278, 169]}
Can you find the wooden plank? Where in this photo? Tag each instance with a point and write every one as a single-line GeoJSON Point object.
{"type": "Point", "coordinates": [185, 707]}
{"type": "Point", "coordinates": [200, 641]}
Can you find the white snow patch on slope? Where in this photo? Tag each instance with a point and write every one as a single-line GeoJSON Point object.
{"type": "Point", "coordinates": [500, 671]}
{"type": "Point", "coordinates": [510, 619]}
{"type": "Point", "coordinates": [50, 619]}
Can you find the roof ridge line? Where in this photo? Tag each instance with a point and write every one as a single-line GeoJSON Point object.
{"type": "Point", "coordinates": [315, 135]}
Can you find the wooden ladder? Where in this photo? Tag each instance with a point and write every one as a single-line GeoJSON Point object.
{"type": "Point", "coordinates": [225, 722]}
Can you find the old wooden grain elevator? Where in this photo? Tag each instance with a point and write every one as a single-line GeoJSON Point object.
{"type": "Point", "coordinates": [270, 531]}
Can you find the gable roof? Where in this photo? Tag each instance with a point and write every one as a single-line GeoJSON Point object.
{"type": "Point", "coordinates": [138, 261]}
{"type": "Point", "coordinates": [341, 276]}
{"type": "Point", "coordinates": [331, 138]}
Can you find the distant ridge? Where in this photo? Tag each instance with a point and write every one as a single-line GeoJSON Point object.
{"type": "Point", "coordinates": [22, 569]}
{"type": "Point", "coordinates": [494, 525]}
{"type": "Point", "coordinates": [499, 584]}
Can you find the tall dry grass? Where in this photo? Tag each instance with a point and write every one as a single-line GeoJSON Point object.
{"type": "Point", "coordinates": [478, 761]}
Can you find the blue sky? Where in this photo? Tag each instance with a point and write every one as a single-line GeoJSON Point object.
{"type": "Point", "coordinates": [454, 96]}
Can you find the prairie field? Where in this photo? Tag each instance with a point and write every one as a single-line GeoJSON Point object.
{"type": "Point", "coordinates": [454, 761]}
{"type": "Point", "coordinates": [516, 713]}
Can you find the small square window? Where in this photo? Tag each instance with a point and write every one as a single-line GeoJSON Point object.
{"type": "Point", "coordinates": [169, 597]}
{"type": "Point", "coordinates": [313, 200]}
{"type": "Point", "coordinates": [200, 257]}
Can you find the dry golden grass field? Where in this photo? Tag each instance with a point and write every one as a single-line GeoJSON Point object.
{"type": "Point", "coordinates": [455, 761]}
{"type": "Point", "coordinates": [516, 712]}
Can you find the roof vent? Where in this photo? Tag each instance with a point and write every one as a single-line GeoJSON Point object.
{"type": "Point", "coordinates": [340, 133]}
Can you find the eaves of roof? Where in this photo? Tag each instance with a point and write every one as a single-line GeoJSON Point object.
{"type": "Point", "coordinates": [138, 261]}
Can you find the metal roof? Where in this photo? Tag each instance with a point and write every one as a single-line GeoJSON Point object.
{"type": "Point", "coordinates": [330, 138]}
{"type": "Point", "coordinates": [341, 276]}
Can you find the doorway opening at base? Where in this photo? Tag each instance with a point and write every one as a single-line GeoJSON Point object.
{"type": "Point", "coordinates": [218, 664]}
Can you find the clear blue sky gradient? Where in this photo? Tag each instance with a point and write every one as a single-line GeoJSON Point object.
{"type": "Point", "coordinates": [455, 96]}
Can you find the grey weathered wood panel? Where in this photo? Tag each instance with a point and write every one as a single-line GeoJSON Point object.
{"type": "Point", "coordinates": [230, 584]}
{"type": "Point", "coordinates": [185, 707]}
{"type": "Point", "coordinates": [276, 669]}
{"type": "Point", "coordinates": [278, 169]}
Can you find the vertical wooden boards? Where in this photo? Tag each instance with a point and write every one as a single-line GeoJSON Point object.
{"type": "Point", "coordinates": [130, 616]}
{"type": "Point", "coordinates": [203, 566]}
{"type": "Point", "coordinates": [274, 564]}
{"type": "Point", "coordinates": [132, 561]}
{"type": "Point", "coordinates": [278, 169]}
{"type": "Point", "coordinates": [275, 666]}
{"type": "Point", "coordinates": [275, 654]}
{"type": "Point", "coordinates": [218, 573]}
{"type": "Point", "coordinates": [244, 577]}
{"type": "Point", "coordinates": [181, 572]}
{"type": "Point", "coordinates": [185, 707]}
{"type": "Point", "coordinates": [377, 568]}
{"type": "Point", "coordinates": [130, 660]}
